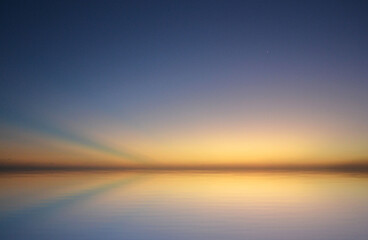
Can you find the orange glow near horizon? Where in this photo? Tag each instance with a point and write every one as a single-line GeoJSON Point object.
{"type": "Point", "coordinates": [268, 133]}
{"type": "Point", "coordinates": [197, 147]}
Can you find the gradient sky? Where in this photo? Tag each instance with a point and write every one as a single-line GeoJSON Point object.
{"type": "Point", "coordinates": [183, 82]}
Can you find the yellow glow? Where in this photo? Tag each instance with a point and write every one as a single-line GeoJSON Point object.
{"type": "Point", "coordinates": [265, 142]}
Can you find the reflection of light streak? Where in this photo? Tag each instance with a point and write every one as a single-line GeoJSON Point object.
{"type": "Point", "coordinates": [13, 219]}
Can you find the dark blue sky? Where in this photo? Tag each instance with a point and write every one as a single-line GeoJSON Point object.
{"type": "Point", "coordinates": [184, 70]}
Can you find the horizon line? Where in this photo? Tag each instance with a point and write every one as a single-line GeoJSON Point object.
{"type": "Point", "coordinates": [357, 166]}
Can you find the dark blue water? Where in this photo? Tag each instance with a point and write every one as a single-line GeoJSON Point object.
{"type": "Point", "coordinates": [184, 205]}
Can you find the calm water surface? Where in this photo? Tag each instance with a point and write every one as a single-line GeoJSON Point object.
{"type": "Point", "coordinates": [184, 205]}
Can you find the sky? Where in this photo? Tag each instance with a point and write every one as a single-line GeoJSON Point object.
{"type": "Point", "coordinates": [117, 83]}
